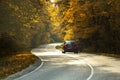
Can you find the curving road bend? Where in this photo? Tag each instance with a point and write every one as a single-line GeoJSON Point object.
{"type": "Point", "coordinates": [69, 66]}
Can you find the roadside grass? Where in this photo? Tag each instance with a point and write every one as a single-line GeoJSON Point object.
{"type": "Point", "coordinates": [15, 63]}
{"type": "Point", "coordinates": [59, 47]}
{"type": "Point", "coordinates": [110, 54]}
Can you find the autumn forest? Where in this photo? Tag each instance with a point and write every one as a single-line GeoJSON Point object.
{"type": "Point", "coordinates": [25, 24]}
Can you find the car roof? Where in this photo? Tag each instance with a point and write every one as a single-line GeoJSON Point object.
{"type": "Point", "coordinates": [70, 41]}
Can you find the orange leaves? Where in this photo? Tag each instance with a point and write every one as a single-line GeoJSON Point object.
{"type": "Point", "coordinates": [82, 15]}
{"type": "Point", "coordinates": [69, 35]}
{"type": "Point", "coordinates": [14, 63]}
{"type": "Point", "coordinates": [22, 54]}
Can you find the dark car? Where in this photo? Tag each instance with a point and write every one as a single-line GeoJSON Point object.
{"type": "Point", "coordinates": [70, 46]}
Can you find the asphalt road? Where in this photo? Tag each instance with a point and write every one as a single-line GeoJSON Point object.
{"type": "Point", "coordinates": [70, 66]}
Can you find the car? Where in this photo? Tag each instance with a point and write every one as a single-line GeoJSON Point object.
{"type": "Point", "coordinates": [70, 46]}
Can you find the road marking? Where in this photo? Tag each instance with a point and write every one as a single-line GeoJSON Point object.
{"type": "Point", "coordinates": [92, 69]}
{"type": "Point", "coordinates": [32, 71]}
{"type": "Point", "coordinates": [42, 63]}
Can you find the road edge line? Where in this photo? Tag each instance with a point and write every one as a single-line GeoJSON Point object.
{"type": "Point", "coordinates": [92, 69]}
{"type": "Point", "coordinates": [42, 63]}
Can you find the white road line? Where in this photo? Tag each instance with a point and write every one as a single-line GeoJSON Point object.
{"type": "Point", "coordinates": [31, 71]}
{"type": "Point", "coordinates": [92, 69]}
{"type": "Point", "coordinates": [89, 78]}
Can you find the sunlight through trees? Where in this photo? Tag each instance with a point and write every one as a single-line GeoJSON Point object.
{"type": "Point", "coordinates": [94, 24]}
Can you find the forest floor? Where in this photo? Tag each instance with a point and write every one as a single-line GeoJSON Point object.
{"type": "Point", "coordinates": [15, 63]}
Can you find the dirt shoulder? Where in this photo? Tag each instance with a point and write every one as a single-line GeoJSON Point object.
{"type": "Point", "coordinates": [15, 63]}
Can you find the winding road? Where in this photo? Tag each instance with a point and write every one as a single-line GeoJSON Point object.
{"type": "Point", "coordinates": [69, 66]}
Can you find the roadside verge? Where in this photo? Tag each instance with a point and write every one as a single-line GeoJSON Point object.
{"type": "Point", "coordinates": [25, 71]}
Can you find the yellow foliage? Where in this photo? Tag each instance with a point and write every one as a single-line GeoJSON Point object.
{"type": "Point", "coordinates": [69, 35]}
{"type": "Point", "coordinates": [34, 20]}
{"type": "Point", "coordinates": [15, 7]}
{"type": "Point", "coordinates": [82, 15]}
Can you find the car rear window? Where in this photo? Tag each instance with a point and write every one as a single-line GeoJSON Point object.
{"type": "Point", "coordinates": [69, 42]}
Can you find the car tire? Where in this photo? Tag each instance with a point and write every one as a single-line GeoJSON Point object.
{"type": "Point", "coordinates": [63, 51]}
{"type": "Point", "coordinates": [75, 52]}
